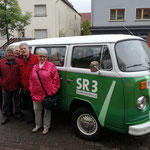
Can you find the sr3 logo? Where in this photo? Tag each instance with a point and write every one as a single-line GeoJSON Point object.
{"type": "Point", "coordinates": [83, 87]}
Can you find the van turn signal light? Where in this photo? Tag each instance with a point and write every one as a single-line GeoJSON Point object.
{"type": "Point", "coordinates": [143, 85]}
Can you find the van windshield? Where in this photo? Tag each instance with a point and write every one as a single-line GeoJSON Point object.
{"type": "Point", "coordinates": [133, 55]}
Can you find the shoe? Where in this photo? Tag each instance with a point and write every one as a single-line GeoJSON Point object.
{"type": "Point", "coordinates": [4, 120]}
{"type": "Point", "coordinates": [35, 129]}
{"type": "Point", "coordinates": [45, 131]}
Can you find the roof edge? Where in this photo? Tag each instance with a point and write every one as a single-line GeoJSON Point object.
{"type": "Point", "coordinates": [70, 5]}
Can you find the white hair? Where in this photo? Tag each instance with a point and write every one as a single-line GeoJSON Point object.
{"type": "Point", "coordinates": [23, 44]}
{"type": "Point", "coordinates": [9, 48]}
{"type": "Point", "coordinates": [42, 51]}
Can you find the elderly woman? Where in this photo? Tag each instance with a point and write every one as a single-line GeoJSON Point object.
{"type": "Point", "coordinates": [51, 82]}
{"type": "Point", "coordinates": [10, 83]}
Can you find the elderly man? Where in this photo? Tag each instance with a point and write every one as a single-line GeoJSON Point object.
{"type": "Point", "coordinates": [17, 51]}
{"type": "Point", "coordinates": [27, 61]}
{"type": "Point", "coordinates": [10, 83]}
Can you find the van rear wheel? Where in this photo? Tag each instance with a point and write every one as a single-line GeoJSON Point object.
{"type": "Point", "coordinates": [85, 123]}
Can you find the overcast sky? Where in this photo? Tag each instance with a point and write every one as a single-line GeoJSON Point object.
{"type": "Point", "coordinates": [81, 5]}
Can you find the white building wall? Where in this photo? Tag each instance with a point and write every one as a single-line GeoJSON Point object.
{"type": "Point", "coordinates": [69, 21]}
{"type": "Point", "coordinates": [47, 22]}
{"type": "Point", "coordinates": [60, 19]}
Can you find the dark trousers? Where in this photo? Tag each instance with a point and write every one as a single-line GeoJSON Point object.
{"type": "Point", "coordinates": [27, 103]}
{"type": "Point", "coordinates": [9, 96]}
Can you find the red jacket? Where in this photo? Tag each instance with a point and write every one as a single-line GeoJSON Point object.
{"type": "Point", "coordinates": [50, 80]}
{"type": "Point", "coordinates": [26, 68]}
{"type": "Point", "coordinates": [10, 75]}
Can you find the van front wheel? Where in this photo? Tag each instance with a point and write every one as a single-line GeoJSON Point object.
{"type": "Point", "coordinates": [85, 123]}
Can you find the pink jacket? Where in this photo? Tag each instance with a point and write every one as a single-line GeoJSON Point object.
{"type": "Point", "coordinates": [50, 80]}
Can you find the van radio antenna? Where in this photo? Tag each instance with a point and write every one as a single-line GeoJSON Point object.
{"type": "Point", "coordinates": [128, 30]}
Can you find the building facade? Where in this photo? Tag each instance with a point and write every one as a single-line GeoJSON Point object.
{"type": "Point", "coordinates": [121, 16]}
{"type": "Point", "coordinates": [50, 18]}
{"type": "Point", "coordinates": [85, 16]}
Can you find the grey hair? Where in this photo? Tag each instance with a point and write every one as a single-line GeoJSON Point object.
{"type": "Point", "coordinates": [43, 51]}
{"type": "Point", "coordinates": [9, 48]}
{"type": "Point", "coordinates": [15, 48]}
{"type": "Point", "coordinates": [24, 44]}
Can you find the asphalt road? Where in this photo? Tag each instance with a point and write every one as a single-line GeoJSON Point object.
{"type": "Point", "coordinates": [17, 135]}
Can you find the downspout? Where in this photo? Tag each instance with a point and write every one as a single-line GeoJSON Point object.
{"type": "Point", "coordinates": [57, 19]}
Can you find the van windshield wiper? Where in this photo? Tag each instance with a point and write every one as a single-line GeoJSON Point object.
{"type": "Point", "coordinates": [136, 65]}
{"type": "Point", "coordinates": [133, 65]}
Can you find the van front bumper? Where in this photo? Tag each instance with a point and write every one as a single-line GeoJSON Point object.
{"type": "Point", "coordinates": [139, 129]}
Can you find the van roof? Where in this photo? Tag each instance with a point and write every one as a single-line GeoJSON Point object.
{"type": "Point", "coordinates": [80, 39]}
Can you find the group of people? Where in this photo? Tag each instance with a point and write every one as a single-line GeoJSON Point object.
{"type": "Point", "coordinates": [19, 82]}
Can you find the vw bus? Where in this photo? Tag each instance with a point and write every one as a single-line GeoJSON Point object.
{"type": "Point", "coordinates": [105, 81]}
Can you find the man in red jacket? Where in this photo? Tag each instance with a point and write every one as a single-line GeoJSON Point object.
{"type": "Point", "coordinates": [10, 83]}
{"type": "Point", "coordinates": [27, 61]}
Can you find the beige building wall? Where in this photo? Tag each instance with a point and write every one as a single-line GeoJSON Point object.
{"type": "Point", "coordinates": [60, 19]}
{"type": "Point", "coordinates": [69, 20]}
{"type": "Point", "coordinates": [47, 22]}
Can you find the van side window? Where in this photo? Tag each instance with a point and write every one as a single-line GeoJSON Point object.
{"type": "Point", "coordinates": [83, 55]}
{"type": "Point", "coordinates": [106, 63]}
{"type": "Point", "coordinates": [56, 55]}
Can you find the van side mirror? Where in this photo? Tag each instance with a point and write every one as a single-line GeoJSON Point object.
{"type": "Point", "coordinates": [94, 65]}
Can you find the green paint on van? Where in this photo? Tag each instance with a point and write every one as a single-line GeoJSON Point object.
{"type": "Point", "coordinates": [105, 106]}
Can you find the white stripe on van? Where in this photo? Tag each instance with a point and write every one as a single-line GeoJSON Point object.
{"type": "Point", "coordinates": [147, 78]}
{"type": "Point", "coordinates": [105, 106]}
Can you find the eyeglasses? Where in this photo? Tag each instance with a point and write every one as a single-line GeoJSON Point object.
{"type": "Point", "coordinates": [42, 56]}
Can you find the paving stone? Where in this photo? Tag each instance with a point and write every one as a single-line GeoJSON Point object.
{"type": "Point", "coordinates": [16, 135]}
{"type": "Point", "coordinates": [8, 148]}
{"type": "Point", "coordinates": [143, 148]}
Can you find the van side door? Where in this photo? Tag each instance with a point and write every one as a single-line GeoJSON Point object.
{"type": "Point", "coordinates": [95, 88]}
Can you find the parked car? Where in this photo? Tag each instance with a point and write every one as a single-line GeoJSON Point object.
{"type": "Point", "coordinates": [2, 53]}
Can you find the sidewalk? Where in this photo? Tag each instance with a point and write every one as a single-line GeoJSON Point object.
{"type": "Point", "coordinates": [17, 135]}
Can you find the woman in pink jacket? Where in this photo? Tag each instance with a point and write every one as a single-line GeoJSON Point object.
{"type": "Point", "coordinates": [51, 82]}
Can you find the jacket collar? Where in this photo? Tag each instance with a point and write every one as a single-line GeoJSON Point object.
{"type": "Point", "coordinates": [45, 67]}
{"type": "Point", "coordinates": [26, 59]}
{"type": "Point", "coordinates": [10, 62]}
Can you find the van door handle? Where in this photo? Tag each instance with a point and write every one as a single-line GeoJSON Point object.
{"type": "Point", "coordinates": [69, 80]}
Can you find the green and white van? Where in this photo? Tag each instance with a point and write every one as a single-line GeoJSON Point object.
{"type": "Point", "coordinates": [105, 81]}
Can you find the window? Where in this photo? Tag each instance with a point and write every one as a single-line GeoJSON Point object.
{"type": "Point", "coordinates": [40, 33]}
{"type": "Point", "coordinates": [117, 14]}
{"type": "Point", "coordinates": [56, 55]}
{"type": "Point", "coordinates": [40, 10]}
{"type": "Point", "coordinates": [84, 55]}
{"type": "Point", "coordinates": [106, 63]}
{"type": "Point", "coordinates": [143, 13]}
{"type": "Point", "coordinates": [133, 55]}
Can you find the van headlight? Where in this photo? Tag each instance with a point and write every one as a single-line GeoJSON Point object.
{"type": "Point", "coordinates": [142, 102]}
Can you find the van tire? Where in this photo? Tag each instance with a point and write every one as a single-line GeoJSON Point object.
{"type": "Point", "coordinates": [85, 123]}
